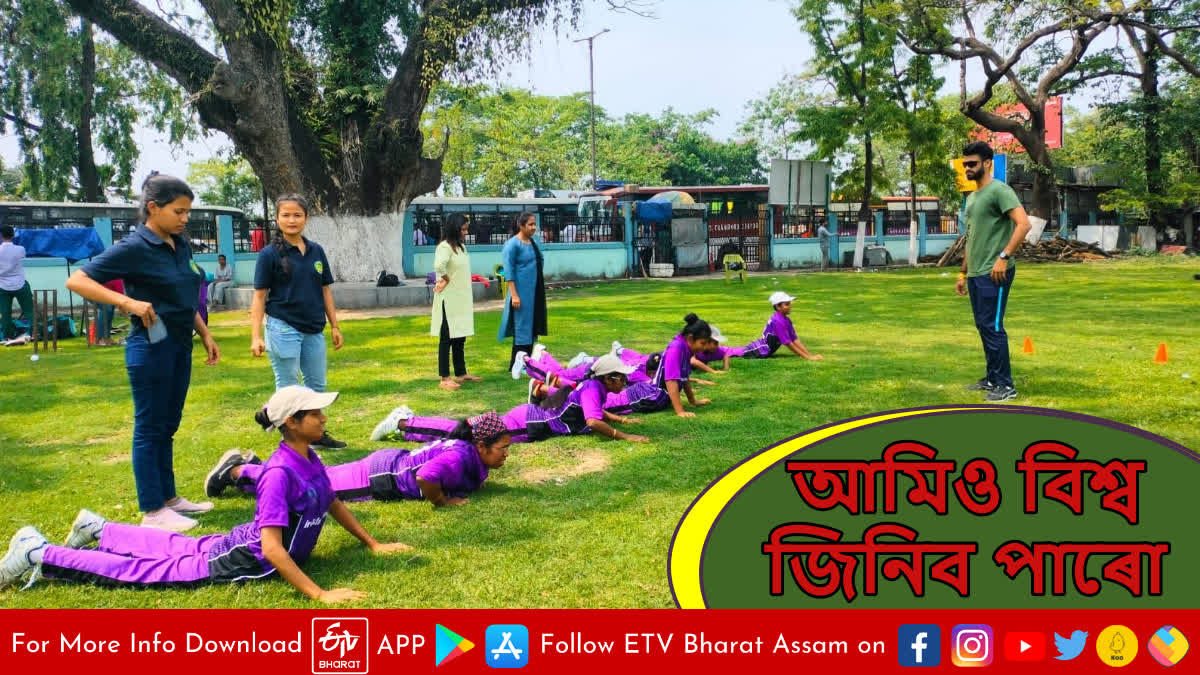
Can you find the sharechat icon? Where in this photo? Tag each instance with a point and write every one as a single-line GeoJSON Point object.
{"type": "Point", "coordinates": [1070, 648]}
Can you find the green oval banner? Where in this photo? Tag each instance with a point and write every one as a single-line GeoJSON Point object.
{"type": "Point", "coordinates": [1001, 507]}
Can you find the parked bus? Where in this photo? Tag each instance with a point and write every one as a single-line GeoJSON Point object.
{"type": "Point", "coordinates": [492, 219]}
{"type": "Point", "coordinates": [201, 228]}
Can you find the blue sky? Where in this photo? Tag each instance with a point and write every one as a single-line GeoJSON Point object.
{"type": "Point", "coordinates": [697, 54]}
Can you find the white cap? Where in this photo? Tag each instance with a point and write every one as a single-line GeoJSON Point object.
{"type": "Point", "coordinates": [609, 364]}
{"type": "Point", "coordinates": [716, 333]}
{"type": "Point", "coordinates": [779, 296]}
{"type": "Point", "coordinates": [290, 400]}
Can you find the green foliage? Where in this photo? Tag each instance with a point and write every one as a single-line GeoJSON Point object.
{"type": "Point", "coordinates": [506, 140]}
{"type": "Point", "coordinates": [584, 521]}
{"type": "Point", "coordinates": [227, 181]}
{"type": "Point", "coordinates": [11, 182]}
{"type": "Point", "coordinates": [860, 86]}
{"type": "Point", "coordinates": [40, 71]}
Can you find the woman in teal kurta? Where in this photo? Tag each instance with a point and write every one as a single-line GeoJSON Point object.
{"type": "Point", "coordinates": [524, 316]}
{"type": "Point", "coordinates": [453, 304]}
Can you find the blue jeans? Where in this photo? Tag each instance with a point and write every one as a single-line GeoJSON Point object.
{"type": "Point", "coordinates": [159, 375]}
{"type": "Point", "coordinates": [294, 354]}
{"type": "Point", "coordinates": [989, 300]}
{"type": "Point", "coordinates": [104, 319]}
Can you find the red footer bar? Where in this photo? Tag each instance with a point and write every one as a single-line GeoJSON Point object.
{"type": "Point", "coordinates": [346, 642]}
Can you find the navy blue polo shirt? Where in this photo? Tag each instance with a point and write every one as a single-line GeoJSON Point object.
{"type": "Point", "coordinates": [154, 273]}
{"type": "Point", "coordinates": [297, 297]}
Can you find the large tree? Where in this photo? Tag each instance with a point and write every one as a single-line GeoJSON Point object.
{"type": "Point", "coordinates": [853, 58]}
{"type": "Point", "coordinates": [67, 93]}
{"type": "Point", "coordinates": [1040, 48]}
{"type": "Point", "coordinates": [326, 97]}
{"type": "Point", "coordinates": [1137, 56]}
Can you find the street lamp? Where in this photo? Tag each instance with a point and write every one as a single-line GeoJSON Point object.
{"type": "Point", "coordinates": [592, 98]}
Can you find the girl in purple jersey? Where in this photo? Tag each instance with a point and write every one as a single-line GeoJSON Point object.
{"type": "Point", "coordinates": [572, 411]}
{"type": "Point", "coordinates": [442, 472]}
{"type": "Point", "coordinates": [779, 332]}
{"type": "Point", "coordinates": [674, 374]}
{"type": "Point", "coordinates": [293, 494]}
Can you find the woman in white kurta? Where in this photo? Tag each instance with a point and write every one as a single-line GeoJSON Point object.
{"type": "Point", "coordinates": [453, 304]}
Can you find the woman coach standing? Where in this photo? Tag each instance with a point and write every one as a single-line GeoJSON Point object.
{"type": "Point", "coordinates": [162, 289]}
{"type": "Point", "coordinates": [524, 317]}
{"type": "Point", "coordinates": [453, 305]}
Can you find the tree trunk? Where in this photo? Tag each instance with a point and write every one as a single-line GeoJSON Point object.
{"type": "Point", "coordinates": [1151, 110]}
{"type": "Point", "coordinates": [913, 223]}
{"type": "Point", "coordinates": [90, 189]}
{"type": "Point", "coordinates": [1044, 193]}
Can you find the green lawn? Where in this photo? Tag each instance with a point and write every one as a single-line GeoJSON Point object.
{"type": "Point", "coordinates": [586, 522]}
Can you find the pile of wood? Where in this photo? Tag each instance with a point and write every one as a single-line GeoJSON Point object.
{"type": "Point", "coordinates": [1046, 250]}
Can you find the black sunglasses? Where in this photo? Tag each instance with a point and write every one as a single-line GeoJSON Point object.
{"type": "Point", "coordinates": [971, 165]}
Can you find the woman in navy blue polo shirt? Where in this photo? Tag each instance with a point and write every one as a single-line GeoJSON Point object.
{"type": "Point", "coordinates": [162, 286]}
{"type": "Point", "coordinates": [291, 288]}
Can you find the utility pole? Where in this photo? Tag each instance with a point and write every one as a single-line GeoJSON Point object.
{"type": "Point", "coordinates": [592, 97]}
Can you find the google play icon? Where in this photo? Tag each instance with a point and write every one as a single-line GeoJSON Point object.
{"type": "Point", "coordinates": [450, 645]}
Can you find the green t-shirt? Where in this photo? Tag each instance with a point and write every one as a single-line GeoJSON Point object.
{"type": "Point", "coordinates": [988, 226]}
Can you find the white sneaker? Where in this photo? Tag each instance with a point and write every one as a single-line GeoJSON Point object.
{"type": "Point", "coordinates": [85, 530]}
{"type": "Point", "coordinates": [519, 365]}
{"type": "Point", "coordinates": [578, 360]}
{"type": "Point", "coordinates": [539, 350]}
{"type": "Point", "coordinates": [17, 562]}
{"type": "Point", "coordinates": [390, 423]}
{"type": "Point", "coordinates": [167, 519]}
{"type": "Point", "coordinates": [182, 505]}
{"type": "Point", "coordinates": [616, 348]}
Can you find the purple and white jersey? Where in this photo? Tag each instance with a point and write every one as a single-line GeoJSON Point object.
{"type": "Point", "coordinates": [676, 363]}
{"type": "Point", "coordinates": [292, 493]}
{"type": "Point", "coordinates": [781, 327]}
{"type": "Point", "coordinates": [453, 465]}
{"type": "Point", "coordinates": [585, 402]}
{"type": "Point", "coordinates": [643, 397]}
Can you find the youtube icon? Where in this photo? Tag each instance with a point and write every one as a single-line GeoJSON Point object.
{"type": "Point", "coordinates": [1025, 646]}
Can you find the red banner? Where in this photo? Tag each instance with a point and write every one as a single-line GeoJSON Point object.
{"type": "Point", "coordinates": [1006, 143]}
{"type": "Point", "coordinates": [583, 641]}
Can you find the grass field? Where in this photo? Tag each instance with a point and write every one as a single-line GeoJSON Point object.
{"type": "Point", "coordinates": [585, 521]}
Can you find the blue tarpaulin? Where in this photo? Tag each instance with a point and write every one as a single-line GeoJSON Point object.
{"type": "Point", "coordinates": [72, 243]}
{"type": "Point", "coordinates": [654, 212]}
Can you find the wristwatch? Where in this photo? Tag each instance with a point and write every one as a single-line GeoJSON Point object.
{"type": "Point", "coordinates": [1004, 255]}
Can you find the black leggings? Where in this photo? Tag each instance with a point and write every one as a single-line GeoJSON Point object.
{"type": "Point", "coordinates": [445, 345]}
{"type": "Point", "coordinates": [528, 349]}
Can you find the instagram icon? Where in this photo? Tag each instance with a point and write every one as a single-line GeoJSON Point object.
{"type": "Point", "coordinates": [971, 645]}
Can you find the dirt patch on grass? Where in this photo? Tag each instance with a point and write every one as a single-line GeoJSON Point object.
{"type": "Point", "coordinates": [102, 439]}
{"type": "Point", "coordinates": [586, 462]}
{"type": "Point", "coordinates": [117, 459]}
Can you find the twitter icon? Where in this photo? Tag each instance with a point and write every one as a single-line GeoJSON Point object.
{"type": "Point", "coordinates": [1070, 648]}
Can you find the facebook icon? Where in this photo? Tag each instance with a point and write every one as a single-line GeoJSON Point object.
{"type": "Point", "coordinates": [919, 645]}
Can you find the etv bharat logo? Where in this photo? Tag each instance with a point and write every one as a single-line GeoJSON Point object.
{"type": "Point", "coordinates": [339, 646]}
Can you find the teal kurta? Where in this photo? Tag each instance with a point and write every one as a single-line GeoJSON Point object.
{"type": "Point", "coordinates": [523, 267]}
{"type": "Point", "coordinates": [456, 297]}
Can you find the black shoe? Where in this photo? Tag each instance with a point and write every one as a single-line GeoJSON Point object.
{"type": "Point", "coordinates": [1001, 394]}
{"type": "Point", "coordinates": [221, 476]}
{"type": "Point", "coordinates": [982, 385]}
{"type": "Point", "coordinates": [328, 442]}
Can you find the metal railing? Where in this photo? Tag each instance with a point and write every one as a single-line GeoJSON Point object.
{"type": "Point", "coordinates": [495, 229]}
{"type": "Point", "coordinates": [251, 235]}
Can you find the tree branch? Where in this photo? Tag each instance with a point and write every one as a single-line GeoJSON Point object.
{"type": "Point", "coordinates": [637, 7]}
{"type": "Point", "coordinates": [21, 122]}
{"type": "Point", "coordinates": [152, 38]}
{"type": "Point", "coordinates": [1082, 39]}
{"type": "Point", "coordinates": [1154, 34]}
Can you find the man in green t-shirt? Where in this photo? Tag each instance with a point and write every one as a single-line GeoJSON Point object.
{"type": "Point", "coordinates": [996, 224]}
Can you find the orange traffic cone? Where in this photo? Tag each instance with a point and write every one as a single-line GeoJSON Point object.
{"type": "Point", "coordinates": [1161, 356]}
{"type": "Point", "coordinates": [1028, 348]}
